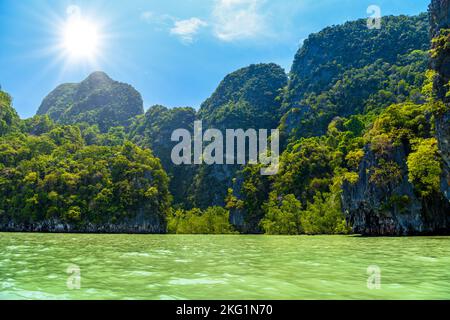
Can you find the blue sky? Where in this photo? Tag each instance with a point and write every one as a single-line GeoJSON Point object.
{"type": "Point", "coordinates": [174, 52]}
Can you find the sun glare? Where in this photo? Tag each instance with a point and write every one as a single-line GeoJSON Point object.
{"type": "Point", "coordinates": [80, 38]}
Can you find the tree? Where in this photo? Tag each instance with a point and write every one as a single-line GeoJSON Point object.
{"type": "Point", "coordinates": [213, 220]}
{"type": "Point", "coordinates": [282, 215]}
{"type": "Point", "coordinates": [324, 216]}
{"type": "Point", "coordinates": [424, 167]}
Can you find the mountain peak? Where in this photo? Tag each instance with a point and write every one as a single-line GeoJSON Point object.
{"type": "Point", "coordinates": [98, 76]}
{"type": "Point", "coordinates": [246, 98]}
{"type": "Point", "coordinates": [97, 100]}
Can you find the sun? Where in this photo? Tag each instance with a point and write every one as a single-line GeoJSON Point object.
{"type": "Point", "coordinates": [80, 38]}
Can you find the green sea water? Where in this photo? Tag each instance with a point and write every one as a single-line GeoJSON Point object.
{"type": "Point", "coordinates": [69, 266]}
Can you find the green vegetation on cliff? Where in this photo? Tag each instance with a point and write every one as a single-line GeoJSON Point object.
{"type": "Point", "coordinates": [363, 145]}
{"type": "Point", "coordinates": [246, 98]}
{"type": "Point", "coordinates": [358, 127]}
{"type": "Point", "coordinates": [153, 130]}
{"type": "Point", "coordinates": [98, 100]}
{"type": "Point", "coordinates": [52, 176]}
{"type": "Point", "coordinates": [8, 116]}
{"type": "Point", "coordinates": [325, 56]}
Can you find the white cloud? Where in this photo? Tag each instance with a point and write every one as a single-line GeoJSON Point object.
{"type": "Point", "coordinates": [147, 16]}
{"type": "Point", "coordinates": [238, 19]}
{"type": "Point", "coordinates": [156, 19]}
{"type": "Point", "coordinates": [187, 29]}
{"type": "Point", "coordinates": [230, 20]}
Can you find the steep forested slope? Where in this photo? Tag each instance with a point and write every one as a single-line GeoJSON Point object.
{"type": "Point", "coordinates": [249, 98]}
{"type": "Point", "coordinates": [342, 66]}
{"type": "Point", "coordinates": [154, 130]}
{"type": "Point", "coordinates": [326, 55]}
{"type": "Point", "coordinates": [367, 90]}
{"type": "Point", "coordinates": [246, 98]}
{"type": "Point", "coordinates": [50, 180]}
{"type": "Point", "coordinates": [97, 100]}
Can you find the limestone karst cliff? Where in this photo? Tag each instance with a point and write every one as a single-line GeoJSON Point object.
{"type": "Point", "coordinates": [397, 206]}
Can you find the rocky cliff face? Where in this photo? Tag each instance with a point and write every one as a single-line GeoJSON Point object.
{"type": "Point", "coordinates": [394, 206]}
{"type": "Point", "coordinates": [443, 135]}
{"type": "Point", "coordinates": [326, 55]}
{"type": "Point", "coordinates": [440, 22]}
{"type": "Point", "coordinates": [137, 225]}
{"type": "Point", "coordinates": [248, 98]}
{"type": "Point", "coordinates": [98, 100]}
{"type": "Point", "coordinates": [439, 15]}
{"type": "Point", "coordinates": [154, 130]}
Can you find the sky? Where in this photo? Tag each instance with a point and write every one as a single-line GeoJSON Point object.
{"type": "Point", "coordinates": [174, 52]}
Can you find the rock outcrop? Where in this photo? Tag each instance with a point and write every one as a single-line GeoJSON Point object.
{"type": "Point", "coordinates": [392, 207]}
{"type": "Point", "coordinates": [137, 225]}
{"type": "Point", "coordinates": [443, 136]}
